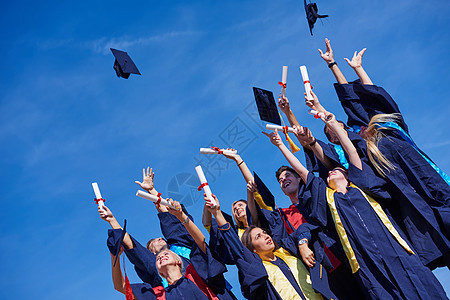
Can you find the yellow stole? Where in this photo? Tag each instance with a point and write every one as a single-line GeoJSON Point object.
{"type": "Point", "coordinates": [259, 200]}
{"type": "Point", "coordinates": [301, 275]}
{"type": "Point", "coordinates": [343, 235]}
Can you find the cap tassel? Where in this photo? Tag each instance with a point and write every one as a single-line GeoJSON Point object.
{"type": "Point", "coordinates": [294, 147]}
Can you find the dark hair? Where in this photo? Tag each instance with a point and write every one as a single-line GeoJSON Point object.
{"type": "Point", "coordinates": [285, 168]}
{"type": "Point", "coordinates": [238, 223]}
{"type": "Point", "coordinates": [246, 238]}
{"type": "Point", "coordinates": [328, 135]}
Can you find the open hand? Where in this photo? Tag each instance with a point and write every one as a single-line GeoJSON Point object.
{"type": "Point", "coordinates": [327, 56]}
{"type": "Point", "coordinates": [147, 179]}
{"type": "Point", "coordinates": [356, 61]}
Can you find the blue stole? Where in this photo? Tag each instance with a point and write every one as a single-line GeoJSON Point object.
{"type": "Point", "coordinates": [341, 154]}
{"type": "Point", "coordinates": [407, 138]}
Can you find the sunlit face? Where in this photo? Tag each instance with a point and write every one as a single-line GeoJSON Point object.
{"type": "Point", "coordinates": [335, 175]}
{"type": "Point", "coordinates": [239, 211]}
{"type": "Point", "coordinates": [288, 183]}
{"type": "Point", "coordinates": [165, 258]}
{"type": "Point", "coordinates": [156, 245]}
{"type": "Point", "coordinates": [261, 241]}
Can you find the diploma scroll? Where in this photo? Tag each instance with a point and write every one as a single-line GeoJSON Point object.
{"type": "Point", "coordinates": [279, 128]}
{"type": "Point", "coordinates": [153, 198]}
{"type": "Point", "coordinates": [306, 82]}
{"type": "Point", "coordinates": [212, 151]}
{"type": "Point", "coordinates": [316, 114]}
{"type": "Point", "coordinates": [98, 196]}
{"type": "Point", "coordinates": [204, 184]}
{"type": "Point", "coordinates": [284, 81]}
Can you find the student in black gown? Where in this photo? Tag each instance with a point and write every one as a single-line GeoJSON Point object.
{"type": "Point", "coordinates": [386, 264]}
{"type": "Point", "coordinates": [203, 278]}
{"type": "Point", "coordinates": [421, 189]}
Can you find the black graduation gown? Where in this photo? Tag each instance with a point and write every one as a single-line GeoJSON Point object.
{"type": "Point", "coordinates": [387, 270]}
{"type": "Point", "coordinates": [209, 270]}
{"type": "Point", "coordinates": [423, 196]}
{"type": "Point", "coordinates": [318, 273]}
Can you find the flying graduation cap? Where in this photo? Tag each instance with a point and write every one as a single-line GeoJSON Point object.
{"type": "Point", "coordinates": [124, 65]}
{"type": "Point", "coordinates": [267, 107]}
{"type": "Point", "coordinates": [311, 14]}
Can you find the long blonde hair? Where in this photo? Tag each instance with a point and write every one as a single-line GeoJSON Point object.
{"type": "Point", "coordinates": [373, 136]}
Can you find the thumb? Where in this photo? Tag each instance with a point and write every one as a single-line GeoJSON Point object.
{"type": "Point", "coordinates": [347, 60]}
{"type": "Point", "coordinates": [320, 51]}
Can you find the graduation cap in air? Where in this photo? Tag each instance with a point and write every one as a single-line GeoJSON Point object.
{"type": "Point", "coordinates": [266, 195]}
{"type": "Point", "coordinates": [267, 107]}
{"type": "Point", "coordinates": [115, 239]}
{"type": "Point", "coordinates": [123, 64]}
{"type": "Point", "coordinates": [311, 14]}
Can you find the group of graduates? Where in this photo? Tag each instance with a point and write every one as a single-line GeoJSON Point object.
{"type": "Point", "coordinates": [370, 216]}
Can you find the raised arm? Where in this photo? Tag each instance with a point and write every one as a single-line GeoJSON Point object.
{"type": "Point", "coordinates": [193, 230]}
{"type": "Point", "coordinates": [241, 164]}
{"type": "Point", "coordinates": [342, 135]}
{"type": "Point", "coordinates": [283, 104]}
{"type": "Point", "coordinates": [308, 141]}
{"type": "Point", "coordinates": [356, 64]}
{"type": "Point", "coordinates": [117, 276]}
{"type": "Point", "coordinates": [108, 216]}
{"type": "Point", "coordinates": [251, 190]}
{"type": "Point", "coordinates": [328, 58]}
{"type": "Point", "coordinates": [292, 160]}
{"type": "Point", "coordinates": [148, 185]}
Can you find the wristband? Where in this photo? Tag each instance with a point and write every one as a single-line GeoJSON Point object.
{"type": "Point", "coordinates": [313, 142]}
{"type": "Point", "coordinates": [185, 221]}
{"type": "Point", "coordinates": [240, 163]}
{"type": "Point", "coordinates": [331, 64]}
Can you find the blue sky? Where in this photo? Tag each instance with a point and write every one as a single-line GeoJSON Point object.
{"type": "Point", "coordinates": [66, 120]}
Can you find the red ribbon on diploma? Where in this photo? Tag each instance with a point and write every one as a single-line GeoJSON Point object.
{"type": "Point", "coordinates": [217, 149]}
{"type": "Point", "coordinates": [307, 81]}
{"type": "Point", "coordinates": [282, 84]}
{"type": "Point", "coordinates": [97, 200]}
{"type": "Point", "coordinates": [202, 185]}
{"type": "Point", "coordinates": [159, 199]}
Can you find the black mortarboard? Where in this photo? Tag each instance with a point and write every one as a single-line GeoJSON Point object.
{"type": "Point", "coordinates": [266, 195]}
{"type": "Point", "coordinates": [267, 107]}
{"type": "Point", "coordinates": [311, 14]}
{"type": "Point", "coordinates": [123, 64]}
{"type": "Point", "coordinates": [115, 238]}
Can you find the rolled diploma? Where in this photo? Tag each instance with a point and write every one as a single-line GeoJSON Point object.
{"type": "Point", "coordinates": [153, 198]}
{"type": "Point", "coordinates": [307, 84]}
{"type": "Point", "coordinates": [206, 188]}
{"type": "Point", "coordinates": [316, 113]}
{"type": "Point", "coordinates": [97, 194]}
{"type": "Point", "coordinates": [277, 127]}
{"type": "Point", "coordinates": [284, 80]}
{"type": "Point", "coordinates": [212, 151]}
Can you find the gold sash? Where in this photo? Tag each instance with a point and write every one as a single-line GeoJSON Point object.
{"type": "Point", "coordinates": [300, 273]}
{"type": "Point", "coordinates": [343, 235]}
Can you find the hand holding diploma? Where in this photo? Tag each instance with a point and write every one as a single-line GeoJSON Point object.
{"type": "Point", "coordinates": [306, 82]}
{"type": "Point", "coordinates": [277, 127]}
{"type": "Point", "coordinates": [98, 197]}
{"type": "Point", "coordinates": [317, 114]}
{"type": "Point", "coordinates": [155, 199]}
{"type": "Point", "coordinates": [283, 81]}
{"type": "Point", "coordinates": [204, 184]}
{"type": "Point", "coordinates": [216, 150]}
